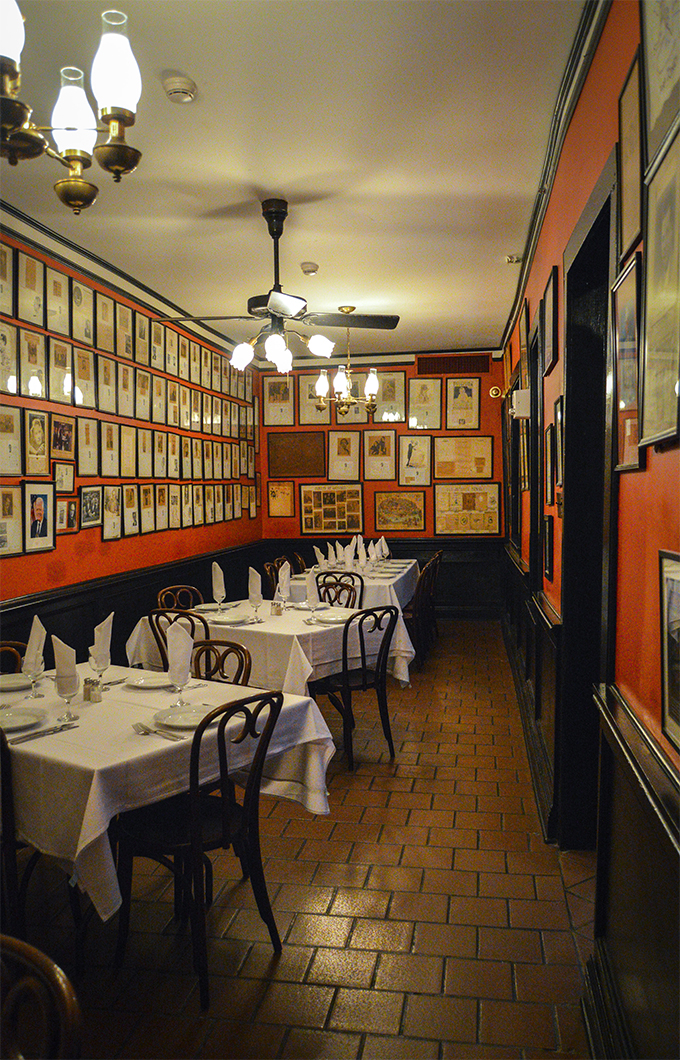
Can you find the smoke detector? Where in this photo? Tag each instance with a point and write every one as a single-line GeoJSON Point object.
{"type": "Point", "coordinates": [180, 89]}
{"type": "Point", "coordinates": [310, 268]}
{"type": "Point", "coordinates": [513, 259]}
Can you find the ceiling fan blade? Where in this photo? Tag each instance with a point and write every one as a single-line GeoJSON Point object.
{"type": "Point", "coordinates": [351, 320]}
{"type": "Point", "coordinates": [178, 320]}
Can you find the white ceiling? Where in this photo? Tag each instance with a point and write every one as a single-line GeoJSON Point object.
{"type": "Point", "coordinates": [407, 137]}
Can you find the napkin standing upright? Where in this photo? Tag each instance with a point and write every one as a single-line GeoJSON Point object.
{"type": "Point", "coordinates": [312, 590]}
{"type": "Point", "coordinates": [65, 666]}
{"type": "Point", "coordinates": [180, 648]}
{"type": "Point", "coordinates": [349, 556]}
{"type": "Point", "coordinates": [254, 584]}
{"type": "Point", "coordinates": [284, 581]}
{"type": "Point", "coordinates": [331, 554]}
{"type": "Point", "coordinates": [101, 649]}
{"type": "Point", "coordinates": [35, 646]}
{"type": "Point", "coordinates": [219, 592]}
{"type": "Point", "coordinates": [319, 557]}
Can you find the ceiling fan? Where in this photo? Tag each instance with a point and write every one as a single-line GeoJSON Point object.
{"type": "Point", "coordinates": [277, 307]}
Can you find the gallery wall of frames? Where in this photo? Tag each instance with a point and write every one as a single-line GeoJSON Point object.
{"type": "Point", "coordinates": [124, 442]}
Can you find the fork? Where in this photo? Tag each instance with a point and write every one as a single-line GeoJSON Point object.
{"type": "Point", "coordinates": [146, 730]}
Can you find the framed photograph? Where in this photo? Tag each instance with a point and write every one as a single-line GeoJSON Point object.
{"type": "Point", "coordinates": [549, 463]}
{"type": "Point", "coordinates": [548, 547]}
{"type": "Point", "coordinates": [33, 361]}
{"type": "Point", "coordinates": [281, 500]}
{"type": "Point", "coordinates": [142, 324]}
{"type": "Point", "coordinates": [61, 371]}
{"type": "Point", "coordinates": [424, 404]}
{"type": "Point", "coordinates": [172, 414]}
{"type": "Point", "coordinates": [90, 506]}
{"type": "Point", "coordinates": [206, 418]}
{"type": "Point", "coordinates": [124, 332]}
{"type": "Point", "coordinates": [6, 280]}
{"type": "Point", "coordinates": [195, 362]}
{"type": "Point", "coordinates": [36, 442]}
{"type": "Point", "coordinates": [160, 454]}
{"type": "Point", "coordinates": [219, 503]}
{"type": "Point", "coordinates": [669, 588]}
{"type": "Point", "coordinates": [88, 447]}
{"type": "Point", "coordinates": [466, 457]}
{"type": "Point", "coordinates": [9, 359]}
{"type": "Point", "coordinates": [278, 401]}
{"type": "Point", "coordinates": [38, 506]}
{"type": "Point", "coordinates": [399, 510]}
{"type": "Point", "coordinates": [112, 518]}
{"type": "Point", "coordinates": [11, 450]}
{"type": "Point", "coordinates": [296, 454]}
{"type": "Point", "coordinates": [171, 352]}
{"type": "Point", "coordinates": [66, 519]}
{"type": "Point", "coordinates": [379, 455]}
{"type": "Point", "coordinates": [661, 52]}
{"type": "Point", "coordinates": [147, 508]}
{"type": "Point", "coordinates": [84, 387]}
{"type": "Point", "coordinates": [626, 324]}
{"type": "Point", "coordinates": [343, 455]}
{"type": "Point", "coordinates": [128, 451]}
{"type": "Point", "coordinates": [415, 460]}
{"type": "Point", "coordinates": [228, 502]}
{"type": "Point", "coordinates": [187, 457]}
{"type": "Point", "coordinates": [126, 390]}
{"type": "Point", "coordinates": [217, 372]}
{"type": "Point", "coordinates": [391, 401]}
{"type": "Point", "coordinates": [630, 161]}
{"type": "Point", "coordinates": [11, 521]}
{"type": "Point", "coordinates": [159, 398]}
{"type": "Point", "coordinates": [307, 412]}
{"type": "Point", "coordinates": [57, 302]}
{"type": "Point", "coordinates": [63, 437]}
{"type": "Point", "coordinates": [30, 289]}
{"type": "Point", "coordinates": [105, 322]}
{"type": "Point", "coordinates": [142, 395]}
{"type": "Point", "coordinates": [157, 345]}
{"type": "Point", "coordinates": [328, 508]}
{"type": "Point", "coordinates": [209, 504]}
{"type": "Point", "coordinates": [130, 509]}
{"type": "Point", "coordinates": [197, 457]}
{"type": "Point", "coordinates": [182, 356]}
{"type": "Point", "coordinates": [199, 504]}
{"type": "Point", "coordinates": [661, 358]}
{"type": "Point", "coordinates": [462, 404]}
{"type": "Point", "coordinates": [161, 506]}
{"type": "Point", "coordinates": [173, 456]}
{"type": "Point", "coordinates": [524, 346]}
{"type": "Point", "coordinates": [109, 449]}
{"type": "Point", "coordinates": [467, 508]}
{"type": "Point", "coordinates": [550, 341]}
{"type": "Point", "coordinates": [82, 315]}
{"type": "Point", "coordinates": [207, 459]}
{"type": "Point", "coordinates": [559, 441]}
{"type": "Point", "coordinates": [144, 452]}
{"type": "Point", "coordinates": [174, 506]}
{"type": "Point", "coordinates": [206, 368]}
{"type": "Point", "coordinates": [64, 477]}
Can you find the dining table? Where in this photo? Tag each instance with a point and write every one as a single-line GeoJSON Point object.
{"type": "Point", "coordinates": [70, 785]}
{"type": "Point", "coordinates": [389, 581]}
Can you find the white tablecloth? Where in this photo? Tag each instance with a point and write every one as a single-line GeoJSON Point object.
{"type": "Point", "coordinates": [70, 785]}
{"type": "Point", "coordinates": [286, 652]}
{"type": "Point", "coordinates": [390, 582]}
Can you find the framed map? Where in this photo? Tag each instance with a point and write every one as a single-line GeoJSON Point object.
{"type": "Point", "coordinates": [399, 510]}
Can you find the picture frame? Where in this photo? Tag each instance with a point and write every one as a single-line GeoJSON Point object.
{"type": "Point", "coordinates": [206, 415]}
{"type": "Point", "coordinates": [30, 289]}
{"type": "Point", "coordinates": [278, 401]}
{"type": "Point", "coordinates": [206, 368]}
{"type": "Point", "coordinates": [112, 515]}
{"type": "Point", "coordinates": [226, 375]}
{"type": "Point", "coordinates": [379, 455]}
{"type": "Point", "coordinates": [9, 359]}
{"type": "Point", "coordinates": [237, 500]}
{"type": "Point", "coordinates": [160, 454]}
{"type": "Point", "coordinates": [157, 356]}
{"type": "Point", "coordinates": [57, 302]}
{"type": "Point", "coordinates": [38, 511]}
{"type": "Point", "coordinates": [343, 455]}
{"type": "Point", "coordinates": [463, 457]}
{"type": "Point", "coordinates": [174, 506]}
{"type": "Point", "coordinates": [142, 395]}
{"type": "Point", "coordinates": [669, 606]}
{"type": "Point", "coordinates": [11, 521]}
{"type": "Point", "coordinates": [195, 363]}
{"type": "Point", "coordinates": [226, 459]}
{"type": "Point", "coordinates": [661, 352]}
{"type": "Point", "coordinates": [60, 371]}
{"type": "Point", "coordinates": [294, 454]}
{"type": "Point", "coordinates": [356, 413]}
{"type": "Point", "coordinates": [207, 459]}
{"type": "Point", "coordinates": [7, 279]}
{"type": "Point", "coordinates": [159, 398]}
{"type": "Point", "coordinates": [33, 364]}
{"type": "Point", "coordinates": [63, 437]}
{"type": "Point", "coordinates": [549, 321]}
{"type": "Point", "coordinates": [130, 509]}
{"type": "Point", "coordinates": [84, 383]}
{"type": "Point", "coordinates": [415, 459]}
{"type": "Point", "coordinates": [233, 420]}
{"type": "Point", "coordinates": [147, 508]}
{"type": "Point", "coordinates": [199, 503]}
{"type": "Point", "coordinates": [331, 508]}
{"type": "Point", "coordinates": [549, 463]}
{"type": "Point", "coordinates": [104, 322]}
{"type": "Point", "coordinates": [281, 500]}
{"type": "Point", "coordinates": [173, 456]}
{"type": "Point", "coordinates": [197, 457]}
{"type": "Point", "coordinates": [90, 506]}
{"type": "Point", "coordinates": [187, 457]}
{"type": "Point", "coordinates": [107, 389]}
{"type": "Point", "coordinates": [64, 477]}
{"type": "Point", "coordinates": [463, 403]}
{"type": "Point", "coordinates": [145, 452]}
{"type": "Point", "coordinates": [228, 502]}
{"type": "Point", "coordinates": [660, 26]}
{"type": "Point", "coordinates": [626, 327]}
{"type": "Point", "coordinates": [82, 315]}
{"type": "Point", "coordinates": [171, 352]}
{"type": "Point", "coordinates": [548, 547]}
{"type": "Point", "coordinates": [559, 440]}
{"type": "Point", "coordinates": [217, 371]}
{"type": "Point", "coordinates": [209, 504]}
{"type": "Point", "coordinates": [162, 494]}
{"type": "Point", "coordinates": [128, 451]}
{"type": "Point", "coordinates": [196, 410]}
{"type": "Point", "coordinates": [308, 414]}
{"type": "Point", "coordinates": [630, 160]}
{"type": "Point", "coordinates": [109, 449]}
{"type": "Point", "coordinates": [88, 447]}
{"type": "Point", "coordinates": [216, 415]}
{"type": "Point", "coordinates": [184, 407]}
{"type": "Point", "coordinates": [142, 328]}
{"type": "Point", "coordinates": [236, 460]}
{"type": "Point", "coordinates": [467, 508]}
{"type": "Point", "coordinates": [252, 503]}
{"type": "Point", "coordinates": [182, 356]}
{"type": "Point", "coordinates": [37, 443]}
{"type": "Point", "coordinates": [126, 390]}
{"type": "Point", "coordinates": [219, 502]}
{"type": "Point", "coordinates": [399, 511]}
{"type": "Point", "coordinates": [391, 400]}
{"type": "Point", "coordinates": [124, 331]}
{"type": "Point", "coordinates": [11, 441]}
{"type": "Point", "coordinates": [424, 404]}
{"type": "Point", "coordinates": [66, 516]}
{"type": "Point", "coordinates": [172, 404]}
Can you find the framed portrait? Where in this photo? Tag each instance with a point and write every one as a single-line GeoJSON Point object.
{"type": "Point", "coordinates": [307, 412]}
{"type": "Point", "coordinates": [278, 401]}
{"type": "Point", "coordinates": [6, 280]}
{"type": "Point", "coordinates": [466, 457]}
{"type": "Point", "coordinates": [38, 507]}
{"type": "Point", "coordinates": [209, 504]}
{"type": "Point", "coordinates": [109, 457]}
{"type": "Point", "coordinates": [124, 332]}
{"type": "Point", "coordinates": [195, 362]}
{"type": "Point", "coordinates": [661, 357]}
{"type": "Point", "coordinates": [172, 406]}
{"type": "Point", "coordinates": [206, 368]}
{"type": "Point", "coordinates": [160, 454]}
{"type": "Point", "coordinates": [199, 504]}
{"type": "Point", "coordinates": [82, 315]}
{"type": "Point", "coordinates": [182, 356]}
{"type": "Point", "coordinates": [661, 53]}
{"type": "Point", "coordinates": [130, 509]}
{"type": "Point", "coordinates": [281, 500]}
{"type": "Point", "coordinates": [88, 447]}
{"type": "Point", "coordinates": [669, 592]}
{"type": "Point", "coordinates": [37, 442]}
{"type": "Point", "coordinates": [415, 460]}
{"type": "Point", "coordinates": [112, 516]}
{"type": "Point", "coordinates": [67, 515]}
{"type": "Point", "coordinates": [84, 386]}
{"type": "Point", "coordinates": [173, 456]}
{"type": "Point", "coordinates": [63, 437]}
{"type": "Point", "coordinates": [630, 160]}
{"type": "Point", "coordinates": [343, 455]}
{"type": "Point", "coordinates": [296, 454]}
{"type": "Point", "coordinates": [391, 400]}
{"type": "Point", "coordinates": [207, 459]}
{"type": "Point", "coordinates": [33, 364]}
{"type": "Point", "coordinates": [174, 506]}
{"type": "Point", "coordinates": [142, 325]}
{"type": "Point", "coordinates": [11, 449]}
{"type": "Point", "coordinates": [142, 395]}
{"type": "Point", "coordinates": [171, 352]}
{"type": "Point", "coordinates": [9, 359]}
{"type": "Point", "coordinates": [206, 418]}
{"type": "Point", "coordinates": [128, 451]}
{"type": "Point", "coordinates": [159, 398]}
{"type": "Point", "coordinates": [559, 441]}
{"type": "Point", "coordinates": [524, 346]}
{"type": "Point", "coordinates": [184, 407]}
{"type": "Point", "coordinates": [60, 371]}
{"type": "Point", "coordinates": [549, 330]}
{"type": "Point", "coordinates": [161, 506]}
{"type": "Point", "coordinates": [327, 508]}
{"type": "Point", "coordinates": [549, 463]}
{"type": "Point", "coordinates": [147, 508]}
{"type": "Point", "coordinates": [144, 452]}
{"type": "Point", "coordinates": [105, 322]}
{"type": "Point", "coordinates": [157, 345]}
{"type": "Point", "coordinates": [197, 457]}
{"type": "Point", "coordinates": [467, 508]}
{"type": "Point", "coordinates": [462, 404]}
{"type": "Point", "coordinates": [626, 324]}
{"type": "Point", "coordinates": [30, 289]}
{"type": "Point", "coordinates": [380, 460]}
{"type": "Point", "coordinates": [397, 510]}
{"type": "Point", "coordinates": [11, 521]}
{"type": "Point", "coordinates": [64, 477]}
{"type": "Point", "coordinates": [90, 506]}
{"type": "Point", "coordinates": [548, 547]}
{"type": "Point", "coordinates": [219, 502]}
{"type": "Point", "coordinates": [217, 371]}
{"type": "Point", "coordinates": [424, 404]}
{"type": "Point", "coordinates": [57, 302]}
{"type": "Point", "coordinates": [126, 390]}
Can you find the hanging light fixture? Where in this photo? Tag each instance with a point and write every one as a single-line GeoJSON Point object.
{"type": "Point", "coordinates": [117, 86]}
{"type": "Point", "coordinates": [342, 396]}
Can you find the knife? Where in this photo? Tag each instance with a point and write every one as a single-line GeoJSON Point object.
{"type": "Point", "coordinates": [43, 732]}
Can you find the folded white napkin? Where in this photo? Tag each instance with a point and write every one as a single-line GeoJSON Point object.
{"type": "Point", "coordinates": [339, 552]}
{"type": "Point", "coordinates": [180, 647]}
{"type": "Point", "coordinates": [65, 665]}
{"type": "Point", "coordinates": [284, 581]}
{"type": "Point", "coordinates": [349, 556]}
{"type": "Point", "coordinates": [219, 591]}
{"type": "Point", "coordinates": [384, 548]}
{"type": "Point", "coordinates": [331, 554]}
{"type": "Point", "coordinates": [320, 559]}
{"type": "Point", "coordinates": [101, 649]}
{"type": "Point", "coordinates": [312, 590]}
{"type": "Point", "coordinates": [36, 643]}
{"type": "Point", "coordinates": [371, 550]}
{"type": "Point", "coordinates": [254, 584]}
{"type": "Point", "coordinates": [362, 554]}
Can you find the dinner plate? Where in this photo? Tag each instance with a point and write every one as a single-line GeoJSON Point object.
{"type": "Point", "coordinates": [180, 717]}
{"type": "Point", "coordinates": [13, 682]}
{"type": "Point", "coordinates": [304, 606]}
{"type": "Point", "coordinates": [334, 616]}
{"type": "Point", "coordinates": [149, 681]}
{"type": "Point", "coordinates": [235, 620]}
{"type": "Point", "coordinates": [214, 607]}
{"type": "Point", "coordinates": [13, 719]}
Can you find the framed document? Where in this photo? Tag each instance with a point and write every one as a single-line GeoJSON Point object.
{"type": "Point", "coordinates": [399, 510]}
{"type": "Point", "coordinates": [467, 457]}
{"type": "Point", "coordinates": [207, 459]}
{"type": "Point", "coordinates": [550, 337]}
{"type": "Point", "coordinates": [112, 519]}
{"type": "Point", "coordinates": [142, 395]}
{"type": "Point", "coordinates": [195, 362]}
{"type": "Point", "coordinates": [128, 451]}
{"type": "Point", "coordinates": [307, 399]}
{"type": "Point", "coordinates": [11, 450]}
{"type": "Point", "coordinates": [90, 506]}
{"type": "Point", "coordinates": [33, 360]}
{"type": "Point", "coordinates": [226, 376]}
{"type": "Point", "coordinates": [88, 448]}
{"type": "Point", "coordinates": [130, 509]}
{"type": "Point", "coordinates": [391, 401]}
{"type": "Point", "coordinates": [38, 507]}
{"type": "Point", "coordinates": [217, 372]}
{"type": "Point", "coordinates": [187, 458]}
{"type": "Point", "coordinates": [105, 331]}
{"type": "Point", "coordinates": [462, 404]}
{"type": "Point", "coordinates": [327, 508]}
{"type": "Point", "coordinates": [9, 359]}
{"type": "Point", "coordinates": [296, 454]}
{"type": "Point", "coordinates": [36, 442]}
{"type": "Point", "coordinates": [626, 322]}
{"type": "Point", "coordinates": [124, 334]}
{"type": "Point", "coordinates": [61, 516]}
{"type": "Point", "coordinates": [630, 160]}
{"type": "Point", "coordinates": [234, 420]}
{"type": "Point", "coordinates": [226, 459]}
{"type": "Point", "coordinates": [172, 407]}
{"type": "Point", "coordinates": [6, 280]}
{"type": "Point", "coordinates": [173, 456]}
{"type": "Point", "coordinates": [379, 455]}
{"type": "Point", "coordinates": [425, 404]}
{"type": "Point", "coordinates": [237, 495]}
{"type": "Point", "coordinates": [106, 385]}
{"type": "Point", "coordinates": [343, 455]}
{"type": "Point", "coordinates": [206, 368]}
{"type": "Point", "coordinates": [110, 449]}
{"type": "Point", "coordinates": [415, 460]}
{"type": "Point", "coordinates": [661, 50]}
{"type": "Point", "coordinates": [84, 386]}
{"type": "Point", "coordinates": [157, 345]}
{"type": "Point", "coordinates": [57, 302]}
{"type": "Point", "coordinates": [64, 477]}
{"type": "Point", "coordinates": [147, 508]}
{"type": "Point", "coordinates": [184, 407]}
{"type": "Point", "coordinates": [466, 508]}
{"type": "Point", "coordinates": [197, 457]}
{"type": "Point", "coordinates": [142, 323]}
{"type": "Point", "coordinates": [144, 452]}
{"type": "Point", "coordinates": [219, 503]}
{"type": "Point", "coordinates": [216, 415]}
{"type": "Point", "coordinates": [199, 509]}
{"type": "Point", "coordinates": [160, 454]}
{"type": "Point", "coordinates": [228, 502]}
{"type": "Point", "coordinates": [63, 437]}
{"type": "Point", "coordinates": [281, 500]}
{"type": "Point", "coordinates": [669, 599]}
{"type": "Point", "coordinates": [171, 352]}
{"type": "Point", "coordinates": [236, 460]}
{"type": "Point", "coordinates": [278, 401]}
{"type": "Point", "coordinates": [30, 289]}
{"type": "Point", "coordinates": [11, 521]}
{"type": "Point", "coordinates": [159, 399]}
{"type": "Point", "coordinates": [174, 506]}
{"type": "Point", "coordinates": [161, 506]}
{"type": "Point", "coordinates": [209, 504]}
{"type": "Point", "coordinates": [82, 317]}
{"type": "Point", "coordinates": [218, 463]}
{"type": "Point", "coordinates": [183, 357]}
{"type": "Point", "coordinates": [206, 418]}
{"type": "Point", "coordinates": [126, 391]}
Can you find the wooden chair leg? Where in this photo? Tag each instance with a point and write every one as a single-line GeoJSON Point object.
{"type": "Point", "coordinates": [385, 718]}
{"type": "Point", "coordinates": [259, 885]}
{"type": "Point", "coordinates": [347, 716]}
{"type": "Point", "coordinates": [125, 860]}
{"type": "Point", "coordinates": [198, 932]}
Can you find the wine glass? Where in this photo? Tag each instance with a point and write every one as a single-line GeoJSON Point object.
{"type": "Point", "coordinates": [99, 663]}
{"type": "Point", "coordinates": [67, 688]}
{"type": "Point", "coordinates": [219, 595]}
{"type": "Point", "coordinates": [255, 599]}
{"type": "Point", "coordinates": [179, 686]}
{"type": "Point", "coordinates": [33, 670]}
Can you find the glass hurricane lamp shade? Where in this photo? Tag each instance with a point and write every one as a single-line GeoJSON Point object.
{"type": "Point", "coordinates": [322, 385]}
{"type": "Point", "coordinates": [372, 385]}
{"type": "Point", "coordinates": [320, 346]}
{"type": "Point", "coordinates": [242, 355]}
{"type": "Point", "coordinates": [341, 384]}
{"type": "Point", "coordinates": [115, 77]}
{"type": "Point", "coordinates": [274, 345]}
{"type": "Point", "coordinates": [13, 33]}
{"type": "Point", "coordinates": [74, 125]}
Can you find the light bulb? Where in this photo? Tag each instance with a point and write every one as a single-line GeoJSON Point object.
{"type": "Point", "coordinates": [284, 361]}
{"type": "Point", "coordinates": [322, 386]}
{"type": "Point", "coordinates": [115, 77]}
{"type": "Point", "coordinates": [274, 345]}
{"type": "Point", "coordinates": [340, 383]}
{"type": "Point", "coordinates": [74, 126]}
{"type": "Point", "coordinates": [241, 355]}
{"type": "Point", "coordinates": [320, 346]}
{"type": "Point", "coordinates": [372, 385]}
{"type": "Point", "coordinates": [13, 33]}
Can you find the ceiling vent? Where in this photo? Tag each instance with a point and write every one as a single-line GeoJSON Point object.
{"type": "Point", "coordinates": [453, 364]}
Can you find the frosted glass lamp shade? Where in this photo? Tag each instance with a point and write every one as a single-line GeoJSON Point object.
{"type": "Point", "coordinates": [74, 126]}
{"type": "Point", "coordinates": [322, 386]}
{"type": "Point", "coordinates": [242, 355]}
{"type": "Point", "coordinates": [13, 33]}
{"type": "Point", "coordinates": [320, 346]}
{"type": "Point", "coordinates": [115, 77]}
{"type": "Point", "coordinates": [372, 384]}
{"type": "Point", "coordinates": [340, 383]}
{"type": "Point", "coordinates": [274, 345]}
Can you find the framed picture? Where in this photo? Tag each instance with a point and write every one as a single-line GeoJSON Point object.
{"type": "Point", "coordinates": [33, 362]}
{"type": "Point", "coordinates": [465, 457]}
{"type": "Point", "coordinates": [105, 322]}
{"type": "Point", "coordinates": [391, 401]}
{"type": "Point", "coordinates": [142, 323]}
{"type": "Point", "coordinates": [399, 510]}
{"type": "Point", "coordinates": [184, 407]}
{"type": "Point", "coordinates": [238, 503]}
{"type": "Point", "coordinates": [157, 345]}
{"type": "Point", "coordinates": [67, 515]}
{"type": "Point", "coordinates": [524, 455]}
{"type": "Point", "coordinates": [307, 399]}
{"type": "Point", "coordinates": [219, 502]}
{"type": "Point", "coordinates": [30, 289]}
{"type": "Point", "coordinates": [462, 404]}
{"type": "Point", "coordinates": [630, 160]}
{"type": "Point", "coordinates": [172, 407]}
{"type": "Point", "coordinates": [209, 504]}
{"type": "Point", "coordinates": [216, 415]}
{"type": "Point", "coordinates": [147, 508]}
{"type": "Point", "coordinates": [661, 358]}
{"type": "Point", "coordinates": [63, 437]}
{"type": "Point", "coordinates": [559, 441]}
{"type": "Point", "coordinates": [171, 352]}
{"type": "Point", "coordinates": [206, 419]}
{"type": "Point", "coordinates": [217, 372]}
{"type": "Point", "coordinates": [36, 442]}
{"type": "Point", "coordinates": [57, 302]}
{"type": "Point", "coordinates": [130, 509]}
{"type": "Point", "coordinates": [160, 454]}
{"type": "Point", "coordinates": [242, 422]}
{"type": "Point", "coordinates": [379, 455]}
{"type": "Point", "coordinates": [281, 500]}
{"type": "Point", "coordinates": [11, 449]}
{"type": "Point", "coordinates": [199, 504]}
{"type": "Point", "coordinates": [626, 324]}
{"type": "Point", "coordinates": [226, 459]}
{"type": "Point", "coordinates": [64, 477]}
{"type": "Point", "coordinates": [112, 517]}
{"type": "Point", "coordinates": [236, 461]}
{"type": "Point", "coordinates": [467, 508]}
{"type": "Point", "coordinates": [161, 506]}
{"type": "Point", "coordinates": [109, 449]}
{"type": "Point", "coordinates": [84, 387]}
{"type": "Point", "coordinates": [661, 52]}
{"type": "Point", "coordinates": [38, 506]}
{"type": "Point", "coordinates": [82, 315]}
{"type": "Point", "coordinates": [142, 395]}
{"type": "Point", "coordinates": [228, 502]}
{"type": "Point", "coordinates": [415, 459]}
{"type": "Point", "coordinates": [234, 420]}
{"type": "Point", "coordinates": [128, 451]}
{"type": "Point", "coordinates": [197, 457]}
{"type": "Point", "coordinates": [250, 423]}
{"type": "Point", "coordinates": [343, 455]}
{"type": "Point", "coordinates": [669, 588]}
{"type": "Point", "coordinates": [159, 398]}
{"type": "Point", "coordinates": [126, 390]}
{"type": "Point", "coordinates": [549, 329]}
{"type": "Point", "coordinates": [548, 547]}
{"type": "Point", "coordinates": [88, 447]}
{"type": "Point", "coordinates": [424, 404]}
{"type": "Point", "coordinates": [549, 463]}
{"type": "Point", "coordinates": [187, 458]}
{"type": "Point", "coordinates": [326, 508]}
{"type": "Point", "coordinates": [226, 376]}
{"type": "Point", "coordinates": [524, 346]}
{"type": "Point", "coordinates": [106, 385]}
{"type": "Point", "coordinates": [9, 359]}
{"type": "Point", "coordinates": [173, 456]}
{"type": "Point", "coordinates": [207, 459]}
{"type": "Point", "coordinates": [195, 362]}
{"type": "Point", "coordinates": [278, 401]}
{"type": "Point", "coordinates": [60, 371]}
{"type": "Point", "coordinates": [6, 280]}
{"type": "Point", "coordinates": [124, 333]}
{"type": "Point", "coordinates": [248, 379]}
{"type": "Point", "coordinates": [144, 453]}
{"type": "Point", "coordinates": [297, 454]}
{"type": "Point", "coordinates": [11, 521]}
{"type": "Point", "coordinates": [206, 368]}
{"type": "Point", "coordinates": [90, 506]}
{"type": "Point", "coordinates": [182, 356]}
{"type": "Point", "coordinates": [174, 506]}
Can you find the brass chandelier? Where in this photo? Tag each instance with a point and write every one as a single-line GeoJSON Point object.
{"type": "Point", "coordinates": [342, 395]}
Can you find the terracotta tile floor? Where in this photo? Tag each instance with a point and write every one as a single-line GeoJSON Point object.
{"type": "Point", "coordinates": [425, 917]}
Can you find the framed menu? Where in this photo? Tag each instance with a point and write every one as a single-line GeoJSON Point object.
{"type": "Point", "coordinates": [415, 460]}
{"type": "Point", "coordinates": [57, 302]}
{"type": "Point", "coordinates": [391, 401]}
{"type": "Point", "coordinates": [171, 352]}
{"type": "Point", "coordinates": [6, 280]}
{"type": "Point", "coordinates": [9, 359]}
{"type": "Point", "coordinates": [278, 401]}
{"type": "Point", "coordinates": [33, 359]}
{"type": "Point", "coordinates": [84, 386]}
{"type": "Point", "coordinates": [464, 457]}
{"type": "Point", "coordinates": [106, 385]}
{"type": "Point", "coordinates": [110, 449]}
{"type": "Point", "coordinates": [130, 509]}
{"type": "Point", "coordinates": [112, 524]}
{"type": "Point", "coordinates": [126, 391]}
{"type": "Point", "coordinates": [11, 449]}
{"type": "Point", "coordinates": [174, 506]}
{"type": "Point", "coordinates": [157, 345]}
{"type": "Point", "coordinates": [88, 446]}
{"type": "Point", "coordinates": [105, 322]}
{"type": "Point", "coordinates": [425, 404]}
{"type": "Point", "coordinates": [141, 338]}
{"type": "Point", "coordinates": [199, 504]}
{"type": "Point", "coordinates": [462, 404]}
{"type": "Point", "coordinates": [82, 316]}
{"type": "Point", "coordinates": [124, 333]}
{"type": "Point", "coordinates": [30, 289]}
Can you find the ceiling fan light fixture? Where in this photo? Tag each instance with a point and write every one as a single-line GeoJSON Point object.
{"type": "Point", "coordinates": [286, 305]}
{"type": "Point", "coordinates": [320, 346]}
{"type": "Point", "coordinates": [242, 355]}
{"type": "Point", "coordinates": [274, 345]}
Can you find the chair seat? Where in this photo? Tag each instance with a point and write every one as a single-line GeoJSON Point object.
{"type": "Point", "coordinates": [166, 825]}
{"type": "Point", "coordinates": [357, 680]}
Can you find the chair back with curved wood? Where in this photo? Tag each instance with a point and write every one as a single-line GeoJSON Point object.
{"type": "Point", "coordinates": [222, 660]}
{"type": "Point", "coordinates": [279, 562]}
{"type": "Point", "coordinates": [298, 564]}
{"type": "Point", "coordinates": [11, 656]}
{"type": "Point", "coordinates": [340, 588]}
{"type": "Point", "coordinates": [269, 582]}
{"type": "Point", "coordinates": [40, 1011]}
{"type": "Point", "coordinates": [182, 597]}
{"type": "Point", "coordinates": [162, 618]}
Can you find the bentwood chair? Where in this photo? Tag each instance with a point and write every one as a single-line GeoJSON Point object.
{"type": "Point", "coordinates": [298, 564]}
{"type": "Point", "coordinates": [366, 641]}
{"type": "Point", "coordinates": [162, 618]}
{"type": "Point", "coordinates": [420, 614]}
{"type": "Point", "coordinates": [40, 1011]}
{"type": "Point", "coordinates": [184, 597]}
{"type": "Point", "coordinates": [279, 562]}
{"type": "Point", "coordinates": [177, 831]}
{"type": "Point", "coordinates": [342, 588]}
{"type": "Point", "coordinates": [222, 660]}
{"type": "Point", "coordinates": [11, 656]}
{"type": "Point", "coordinates": [271, 577]}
